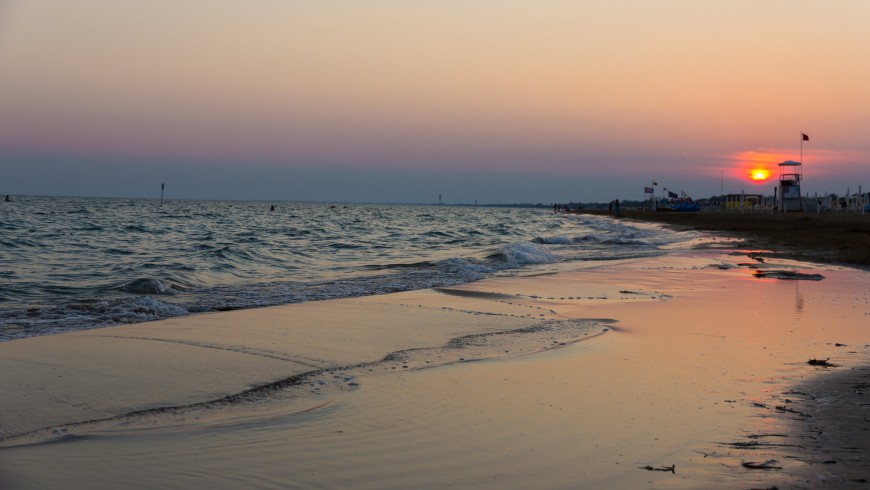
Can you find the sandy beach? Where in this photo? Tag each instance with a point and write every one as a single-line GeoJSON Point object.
{"type": "Point", "coordinates": [683, 371]}
{"type": "Point", "coordinates": [829, 237]}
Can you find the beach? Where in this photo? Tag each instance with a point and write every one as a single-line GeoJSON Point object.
{"type": "Point", "coordinates": [830, 237]}
{"type": "Point", "coordinates": [688, 370]}
{"type": "Point", "coordinates": [367, 245]}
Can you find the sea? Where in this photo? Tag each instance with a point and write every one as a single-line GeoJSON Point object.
{"type": "Point", "coordinates": [69, 264]}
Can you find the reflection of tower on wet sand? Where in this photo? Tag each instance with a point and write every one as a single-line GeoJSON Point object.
{"type": "Point", "coordinates": [798, 298]}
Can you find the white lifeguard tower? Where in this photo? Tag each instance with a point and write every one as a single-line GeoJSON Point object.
{"type": "Point", "coordinates": [790, 174]}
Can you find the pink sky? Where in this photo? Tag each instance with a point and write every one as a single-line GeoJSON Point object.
{"type": "Point", "coordinates": [615, 93]}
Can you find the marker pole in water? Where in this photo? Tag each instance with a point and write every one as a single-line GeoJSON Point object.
{"type": "Point", "coordinates": [162, 186]}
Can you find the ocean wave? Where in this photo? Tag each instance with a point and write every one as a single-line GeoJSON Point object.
{"type": "Point", "coordinates": [425, 264]}
{"type": "Point", "coordinates": [146, 286]}
{"type": "Point", "coordinates": [7, 226]}
{"type": "Point", "coordinates": [523, 253]}
{"type": "Point", "coordinates": [147, 308]}
{"type": "Point", "coordinates": [437, 234]}
{"type": "Point", "coordinates": [19, 242]}
{"type": "Point", "coordinates": [119, 251]}
{"type": "Point", "coordinates": [93, 262]}
{"type": "Point", "coordinates": [629, 242]}
{"type": "Point", "coordinates": [345, 246]}
{"type": "Point", "coordinates": [18, 323]}
{"type": "Point", "coordinates": [556, 240]}
{"type": "Point", "coordinates": [135, 229]}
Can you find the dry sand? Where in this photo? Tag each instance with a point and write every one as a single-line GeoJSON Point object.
{"type": "Point", "coordinates": [831, 237]}
{"type": "Point", "coordinates": [594, 378]}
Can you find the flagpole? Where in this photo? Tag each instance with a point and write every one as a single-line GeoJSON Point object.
{"type": "Point", "coordinates": [802, 147]}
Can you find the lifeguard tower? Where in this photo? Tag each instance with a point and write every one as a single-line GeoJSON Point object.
{"type": "Point", "coordinates": [790, 186]}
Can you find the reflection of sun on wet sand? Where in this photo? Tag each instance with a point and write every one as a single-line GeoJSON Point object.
{"type": "Point", "coordinates": [689, 363]}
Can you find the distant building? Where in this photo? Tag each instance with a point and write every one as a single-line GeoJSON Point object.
{"type": "Point", "coordinates": [741, 201]}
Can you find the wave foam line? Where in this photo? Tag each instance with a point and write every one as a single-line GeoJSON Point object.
{"type": "Point", "coordinates": [547, 335]}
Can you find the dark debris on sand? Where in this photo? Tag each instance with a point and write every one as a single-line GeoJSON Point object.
{"type": "Point", "coordinates": [821, 362]}
{"type": "Point", "coordinates": [672, 468]}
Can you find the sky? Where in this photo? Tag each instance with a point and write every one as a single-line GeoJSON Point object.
{"type": "Point", "coordinates": [405, 100]}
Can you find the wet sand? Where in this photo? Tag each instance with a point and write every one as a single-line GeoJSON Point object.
{"type": "Point", "coordinates": [604, 377]}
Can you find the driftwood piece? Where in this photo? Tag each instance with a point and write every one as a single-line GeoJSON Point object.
{"type": "Point", "coordinates": [767, 465]}
{"type": "Point", "coordinates": [788, 275]}
{"type": "Point", "coordinates": [671, 468]}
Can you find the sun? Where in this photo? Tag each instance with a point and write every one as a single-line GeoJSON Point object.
{"type": "Point", "coordinates": [759, 174]}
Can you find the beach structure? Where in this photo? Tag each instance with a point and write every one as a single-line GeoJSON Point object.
{"type": "Point", "coordinates": [790, 175]}
{"type": "Point", "coordinates": [742, 201]}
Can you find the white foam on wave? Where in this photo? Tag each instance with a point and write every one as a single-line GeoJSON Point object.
{"type": "Point", "coordinates": [143, 309]}
{"type": "Point", "coordinates": [525, 253]}
{"type": "Point", "coordinates": [83, 316]}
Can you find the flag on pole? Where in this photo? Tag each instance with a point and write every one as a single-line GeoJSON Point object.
{"type": "Point", "coordinates": [672, 195]}
{"type": "Point", "coordinates": [648, 190]}
{"type": "Point", "coordinates": [804, 137]}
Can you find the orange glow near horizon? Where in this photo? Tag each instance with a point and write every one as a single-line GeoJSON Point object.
{"type": "Point", "coordinates": [757, 167]}
{"type": "Point", "coordinates": [759, 174]}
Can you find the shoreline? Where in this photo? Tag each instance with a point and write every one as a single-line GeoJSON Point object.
{"type": "Point", "coordinates": [831, 407]}
{"type": "Point", "coordinates": [678, 373]}
{"type": "Point", "coordinates": [833, 238]}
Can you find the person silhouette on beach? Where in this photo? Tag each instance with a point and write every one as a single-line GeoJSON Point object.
{"type": "Point", "coordinates": [8, 199]}
{"type": "Point", "coordinates": [616, 207]}
{"type": "Point", "coordinates": [272, 208]}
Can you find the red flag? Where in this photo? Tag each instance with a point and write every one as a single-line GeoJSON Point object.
{"type": "Point", "coordinates": [805, 137]}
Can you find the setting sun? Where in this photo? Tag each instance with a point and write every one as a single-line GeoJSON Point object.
{"type": "Point", "coordinates": [759, 174]}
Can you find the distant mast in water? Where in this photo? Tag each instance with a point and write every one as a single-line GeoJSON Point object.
{"type": "Point", "coordinates": [162, 186]}
{"type": "Point", "coordinates": [439, 199]}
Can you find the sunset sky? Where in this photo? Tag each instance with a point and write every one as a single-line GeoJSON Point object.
{"type": "Point", "coordinates": [403, 100]}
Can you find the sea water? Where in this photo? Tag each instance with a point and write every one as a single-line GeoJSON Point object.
{"type": "Point", "coordinates": [68, 264]}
